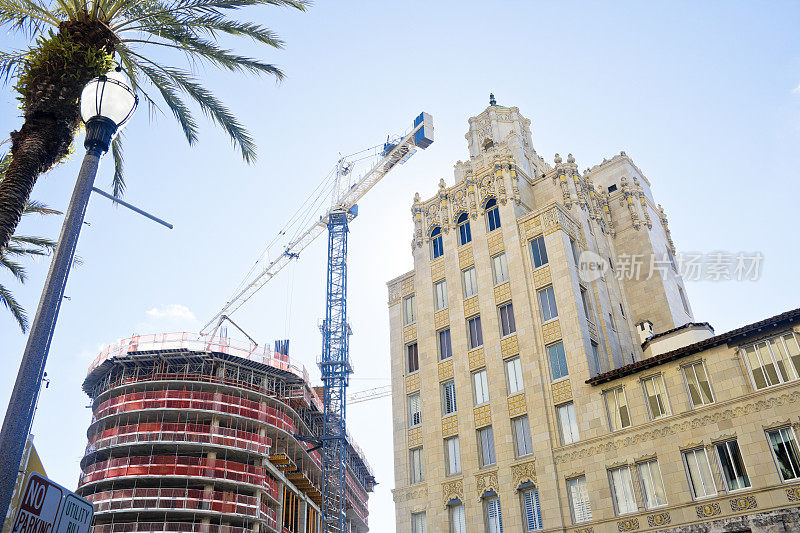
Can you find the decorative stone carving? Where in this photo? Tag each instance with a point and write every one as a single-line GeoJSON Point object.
{"type": "Point", "coordinates": [663, 216]}
{"type": "Point", "coordinates": [631, 524]}
{"type": "Point", "coordinates": [486, 481]}
{"type": "Point", "coordinates": [708, 510]}
{"type": "Point", "coordinates": [524, 473]}
{"type": "Point", "coordinates": [452, 490]}
{"type": "Point", "coordinates": [658, 520]}
{"type": "Point", "coordinates": [743, 504]}
{"type": "Point", "coordinates": [793, 494]}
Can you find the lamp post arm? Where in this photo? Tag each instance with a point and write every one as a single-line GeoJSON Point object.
{"type": "Point", "coordinates": [21, 406]}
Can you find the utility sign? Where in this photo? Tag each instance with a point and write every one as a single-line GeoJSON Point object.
{"type": "Point", "coordinates": [40, 506]}
{"type": "Point", "coordinates": [76, 515]}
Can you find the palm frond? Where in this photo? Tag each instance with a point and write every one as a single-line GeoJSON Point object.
{"type": "Point", "coordinates": [43, 244]}
{"type": "Point", "coordinates": [34, 207]}
{"type": "Point", "coordinates": [19, 314]}
{"type": "Point", "coordinates": [27, 16]}
{"type": "Point", "coordinates": [17, 270]}
{"type": "Point", "coordinates": [10, 62]}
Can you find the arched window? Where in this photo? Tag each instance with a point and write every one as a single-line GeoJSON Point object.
{"type": "Point", "coordinates": [492, 215]}
{"type": "Point", "coordinates": [464, 233]}
{"type": "Point", "coordinates": [437, 247]}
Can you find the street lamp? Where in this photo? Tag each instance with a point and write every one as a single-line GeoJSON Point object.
{"type": "Point", "coordinates": [107, 103]}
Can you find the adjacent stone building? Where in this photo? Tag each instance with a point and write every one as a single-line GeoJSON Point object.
{"type": "Point", "coordinates": [547, 371]}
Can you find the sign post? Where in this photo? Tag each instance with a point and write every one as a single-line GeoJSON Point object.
{"type": "Point", "coordinates": [47, 507]}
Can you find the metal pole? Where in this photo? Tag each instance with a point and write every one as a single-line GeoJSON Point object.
{"type": "Point", "coordinates": [19, 415]}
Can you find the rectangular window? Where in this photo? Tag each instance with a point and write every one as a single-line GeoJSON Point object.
{"type": "Point", "coordinates": [596, 356]}
{"type": "Point", "coordinates": [418, 522]}
{"type": "Point", "coordinates": [611, 322]}
{"type": "Point", "coordinates": [531, 513]}
{"type": "Point", "coordinates": [480, 387]}
{"type": "Point", "coordinates": [784, 449]}
{"type": "Point", "coordinates": [652, 484]}
{"type": "Point", "coordinates": [448, 397]}
{"type": "Point", "coordinates": [622, 490]}
{"type": "Point", "coordinates": [587, 306]}
{"type": "Point", "coordinates": [458, 520]}
{"type": "Point", "coordinates": [486, 446]}
{"type": "Point", "coordinates": [440, 295]}
{"type": "Point", "coordinates": [698, 469]}
{"type": "Point", "coordinates": [621, 310]}
{"type": "Point", "coordinates": [618, 416]}
{"type": "Point", "coordinates": [773, 361]}
{"type": "Point", "coordinates": [514, 376]}
{"type": "Point", "coordinates": [730, 459]}
{"type": "Point", "coordinates": [656, 395]}
{"type": "Point", "coordinates": [697, 383]}
{"type": "Point", "coordinates": [412, 356]}
{"type": "Point", "coordinates": [579, 500]}
{"type": "Point", "coordinates": [470, 282]}
{"type": "Point", "coordinates": [538, 252]}
{"type": "Point", "coordinates": [452, 450]}
{"type": "Point", "coordinates": [522, 435]}
{"type": "Point", "coordinates": [493, 515]}
{"type": "Point", "coordinates": [445, 348]}
{"type": "Point", "coordinates": [567, 423]}
{"type": "Point", "coordinates": [500, 268]}
{"type": "Point", "coordinates": [408, 310]}
{"type": "Point", "coordinates": [507, 323]}
{"type": "Point", "coordinates": [417, 472]}
{"type": "Point", "coordinates": [575, 253]}
{"type": "Point", "coordinates": [474, 332]}
{"type": "Point", "coordinates": [558, 360]}
{"type": "Point", "coordinates": [547, 300]}
{"type": "Point", "coordinates": [414, 410]}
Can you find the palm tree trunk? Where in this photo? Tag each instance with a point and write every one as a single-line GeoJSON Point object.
{"type": "Point", "coordinates": [35, 148]}
{"type": "Point", "coordinates": [51, 83]}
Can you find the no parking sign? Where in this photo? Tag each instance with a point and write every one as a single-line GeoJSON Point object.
{"type": "Point", "coordinates": [47, 507]}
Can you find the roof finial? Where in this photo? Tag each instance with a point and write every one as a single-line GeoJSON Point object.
{"type": "Point", "coordinates": [492, 101]}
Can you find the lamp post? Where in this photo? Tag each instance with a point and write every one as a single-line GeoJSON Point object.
{"type": "Point", "coordinates": [106, 104]}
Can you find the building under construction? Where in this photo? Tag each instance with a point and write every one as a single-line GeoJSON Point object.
{"type": "Point", "coordinates": [192, 433]}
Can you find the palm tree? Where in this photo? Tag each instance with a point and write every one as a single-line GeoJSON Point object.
{"type": "Point", "coordinates": [77, 40]}
{"type": "Point", "coordinates": [18, 248]}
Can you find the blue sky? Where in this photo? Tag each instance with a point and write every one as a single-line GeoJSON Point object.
{"type": "Point", "coordinates": [705, 97]}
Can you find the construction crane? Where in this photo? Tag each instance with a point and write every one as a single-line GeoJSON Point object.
{"type": "Point", "coordinates": [369, 394]}
{"type": "Point", "coordinates": [334, 362]}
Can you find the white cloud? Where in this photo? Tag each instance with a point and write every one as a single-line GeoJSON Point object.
{"type": "Point", "coordinates": [171, 312]}
{"type": "Point", "coordinates": [796, 90]}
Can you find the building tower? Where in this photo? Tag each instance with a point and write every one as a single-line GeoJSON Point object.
{"type": "Point", "coordinates": [529, 357]}
{"type": "Point", "coordinates": [197, 434]}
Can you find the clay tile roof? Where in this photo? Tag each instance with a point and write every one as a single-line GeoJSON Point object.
{"type": "Point", "coordinates": [778, 321]}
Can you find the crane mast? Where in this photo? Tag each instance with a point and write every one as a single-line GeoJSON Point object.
{"type": "Point", "coordinates": [334, 361]}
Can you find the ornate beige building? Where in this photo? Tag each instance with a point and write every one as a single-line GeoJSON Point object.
{"type": "Point", "coordinates": [548, 373]}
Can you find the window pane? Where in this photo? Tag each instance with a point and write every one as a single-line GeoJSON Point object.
{"type": "Point", "coordinates": [453, 456]}
{"type": "Point", "coordinates": [408, 310]}
{"type": "Point", "coordinates": [514, 375]}
{"type": "Point", "coordinates": [493, 218]}
{"type": "Point", "coordinates": [547, 301]}
{"type": "Point", "coordinates": [700, 479]}
{"type": "Point", "coordinates": [538, 252]}
{"type": "Point", "coordinates": [697, 382]}
{"type": "Point", "coordinates": [418, 523]}
{"type": "Point", "coordinates": [458, 521]}
{"type": "Point", "coordinates": [652, 484]}
{"type": "Point", "coordinates": [779, 354]}
{"type": "Point", "coordinates": [617, 409]}
{"type": "Point", "coordinates": [470, 282]}
{"type": "Point", "coordinates": [440, 295]}
{"type": "Point", "coordinates": [656, 396]}
{"type": "Point", "coordinates": [481, 387]}
{"type": "Point", "coordinates": [558, 360]}
{"type": "Point", "coordinates": [568, 423]}
{"type": "Point", "coordinates": [475, 332]}
{"type": "Point", "coordinates": [522, 435]}
{"type": "Point", "coordinates": [784, 447]}
{"type": "Point", "coordinates": [464, 232]}
{"type": "Point", "coordinates": [622, 490]}
{"type": "Point", "coordinates": [412, 356]}
{"type": "Point", "coordinates": [507, 323]}
{"type": "Point", "coordinates": [437, 246]}
{"type": "Point", "coordinates": [500, 268]}
{"type": "Point", "coordinates": [414, 410]}
{"type": "Point", "coordinates": [445, 348]}
{"type": "Point", "coordinates": [792, 348]}
{"type": "Point", "coordinates": [733, 468]}
{"type": "Point", "coordinates": [579, 496]}
{"type": "Point", "coordinates": [486, 443]}
{"type": "Point", "coordinates": [448, 397]}
{"type": "Point", "coordinates": [417, 474]}
{"type": "Point", "coordinates": [494, 519]}
{"type": "Point", "coordinates": [531, 513]}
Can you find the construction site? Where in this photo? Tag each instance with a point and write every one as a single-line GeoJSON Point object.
{"type": "Point", "coordinates": [200, 432]}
